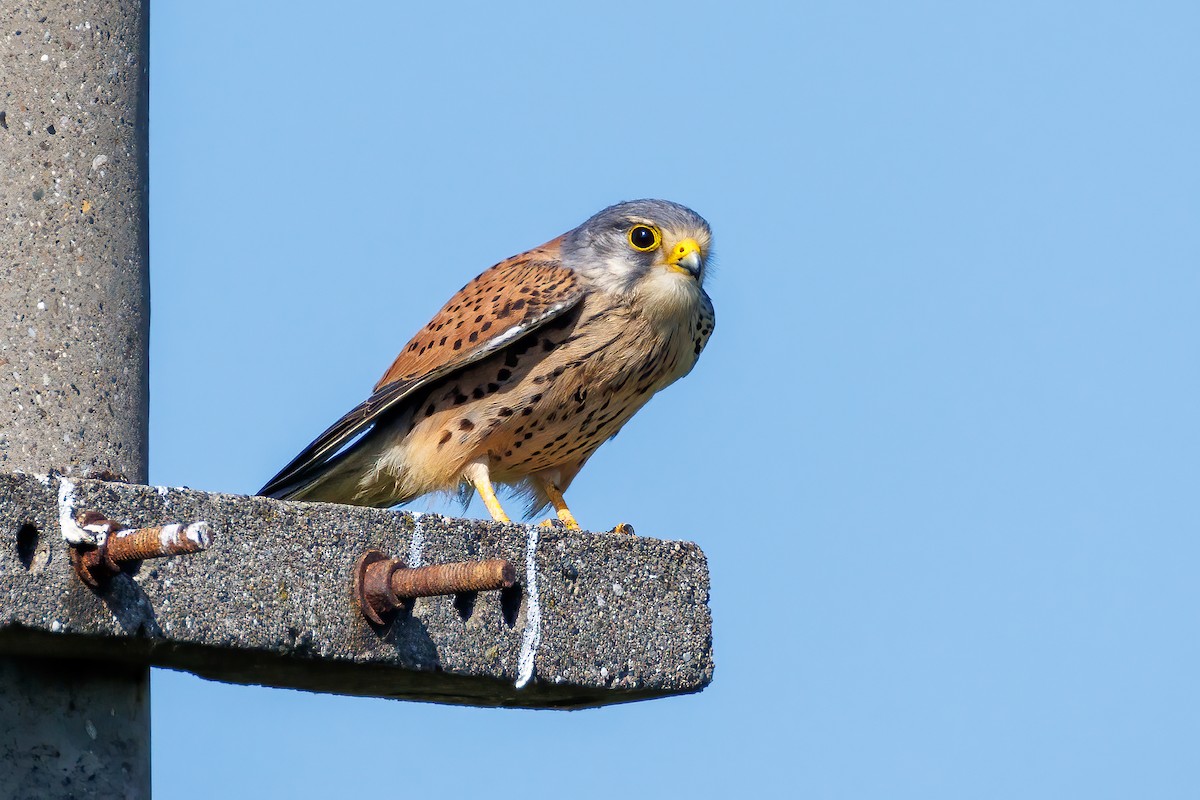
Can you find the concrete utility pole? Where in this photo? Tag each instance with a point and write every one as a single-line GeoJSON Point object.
{"type": "Point", "coordinates": [74, 324]}
{"type": "Point", "coordinates": [304, 595]}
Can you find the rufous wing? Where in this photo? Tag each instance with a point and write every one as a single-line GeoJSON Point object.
{"type": "Point", "coordinates": [505, 301]}
{"type": "Point", "coordinates": [495, 309]}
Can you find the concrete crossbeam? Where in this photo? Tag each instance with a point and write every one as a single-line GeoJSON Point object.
{"type": "Point", "coordinates": [595, 618]}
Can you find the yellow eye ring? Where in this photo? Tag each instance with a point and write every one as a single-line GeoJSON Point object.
{"type": "Point", "coordinates": [643, 238]}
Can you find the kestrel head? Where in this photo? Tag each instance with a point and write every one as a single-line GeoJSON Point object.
{"type": "Point", "coordinates": [653, 247]}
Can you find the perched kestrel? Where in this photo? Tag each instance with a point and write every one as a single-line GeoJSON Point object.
{"type": "Point", "coordinates": [527, 370]}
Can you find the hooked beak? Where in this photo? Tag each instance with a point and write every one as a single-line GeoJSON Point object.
{"type": "Point", "coordinates": [687, 258]}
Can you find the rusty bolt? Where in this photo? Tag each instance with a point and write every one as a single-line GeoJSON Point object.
{"type": "Point", "coordinates": [382, 585]}
{"type": "Point", "coordinates": [98, 564]}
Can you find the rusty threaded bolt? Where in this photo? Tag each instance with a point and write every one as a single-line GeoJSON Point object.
{"type": "Point", "coordinates": [461, 576]}
{"type": "Point", "coordinates": [382, 584]}
{"type": "Point", "coordinates": [159, 541]}
{"type": "Point", "coordinates": [96, 565]}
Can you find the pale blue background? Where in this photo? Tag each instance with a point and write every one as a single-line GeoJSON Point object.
{"type": "Point", "coordinates": [942, 451]}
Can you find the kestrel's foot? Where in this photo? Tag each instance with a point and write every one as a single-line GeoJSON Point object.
{"type": "Point", "coordinates": [623, 528]}
{"type": "Point", "coordinates": [560, 506]}
{"type": "Point", "coordinates": [477, 473]}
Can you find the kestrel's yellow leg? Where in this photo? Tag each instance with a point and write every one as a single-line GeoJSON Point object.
{"type": "Point", "coordinates": [560, 506]}
{"type": "Point", "coordinates": [477, 473]}
{"type": "Point", "coordinates": [564, 513]}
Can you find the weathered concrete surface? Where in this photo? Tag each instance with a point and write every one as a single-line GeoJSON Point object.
{"type": "Point", "coordinates": [617, 618]}
{"type": "Point", "coordinates": [85, 738]}
{"type": "Point", "coordinates": [74, 281]}
{"type": "Point", "coordinates": [74, 326]}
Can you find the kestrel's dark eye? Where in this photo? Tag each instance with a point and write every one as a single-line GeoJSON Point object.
{"type": "Point", "coordinates": [644, 238]}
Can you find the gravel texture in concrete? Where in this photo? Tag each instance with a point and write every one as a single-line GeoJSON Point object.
{"type": "Point", "coordinates": [74, 729]}
{"type": "Point", "coordinates": [595, 618]}
{"type": "Point", "coordinates": [74, 282]}
{"type": "Point", "coordinates": [74, 331]}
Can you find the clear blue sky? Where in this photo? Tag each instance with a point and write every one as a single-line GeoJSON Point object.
{"type": "Point", "coordinates": [943, 450]}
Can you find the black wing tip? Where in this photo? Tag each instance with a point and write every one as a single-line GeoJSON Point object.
{"type": "Point", "coordinates": [287, 480]}
{"type": "Point", "coordinates": [320, 453]}
{"type": "Point", "coordinates": [281, 487]}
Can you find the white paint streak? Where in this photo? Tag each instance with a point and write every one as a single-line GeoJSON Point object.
{"type": "Point", "coordinates": [66, 517]}
{"type": "Point", "coordinates": [418, 541]}
{"type": "Point", "coordinates": [198, 532]}
{"type": "Point", "coordinates": [169, 534]}
{"type": "Point", "coordinates": [176, 533]}
{"type": "Point", "coordinates": [533, 617]}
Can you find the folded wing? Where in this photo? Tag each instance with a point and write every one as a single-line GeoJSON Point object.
{"type": "Point", "coordinates": [498, 307]}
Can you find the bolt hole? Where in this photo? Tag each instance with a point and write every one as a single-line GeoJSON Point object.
{"type": "Point", "coordinates": [510, 604]}
{"type": "Point", "coordinates": [27, 542]}
{"type": "Point", "coordinates": [464, 603]}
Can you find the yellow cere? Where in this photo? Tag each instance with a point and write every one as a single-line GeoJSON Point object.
{"type": "Point", "coordinates": [683, 250]}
